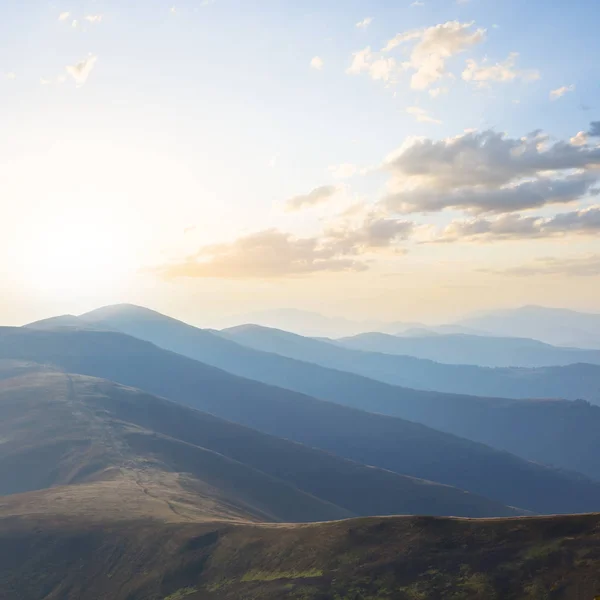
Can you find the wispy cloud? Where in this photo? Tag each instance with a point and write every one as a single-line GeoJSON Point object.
{"type": "Point", "coordinates": [421, 115]}
{"type": "Point", "coordinates": [317, 63]}
{"type": "Point", "coordinates": [561, 91]}
{"type": "Point", "coordinates": [364, 23]}
{"type": "Point", "coordinates": [81, 71]}
{"type": "Point", "coordinates": [316, 196]}
{"type": "Point", "coordinates": [581, 266]}
{"type": "Point", "coordinates": [93, 18]}
{"type": "Point", "coordinates": [10, 75]}
{"type": "Point", "coordinates": [64, 16]}
{"type": "Point", "coordinates": [502, 72]}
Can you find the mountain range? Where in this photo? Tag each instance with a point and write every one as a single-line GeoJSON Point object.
{"type": "Point", "coordinates": [462, 349]}
{"type": "Point", "coordinates": [145, 459]}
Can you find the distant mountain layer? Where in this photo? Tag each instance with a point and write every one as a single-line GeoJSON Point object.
{"type": "Point", "coordinates": [386, 442]}
{"type": "Point", "coordinates": [460, 349]}
{"type": "Point", "coordinates": [579, 381]}
{"type": "Point", "coordinates": [552, 325]}
{"type": "Point", "coordinates": [400, 558]}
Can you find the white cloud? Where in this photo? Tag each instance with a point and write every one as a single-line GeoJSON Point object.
{"type": "Point", "coordinates": [317, 63]}
{"type": "Point", "coordinates": [44, 81]}
{"type": "Point", "coordinates": [364, 23]}
{"type": "Point", "coordinates": [343, 171]}
{"type": "Point", "coordinates": [74, 23]}
{"type": "Point", "coordinates": [421, 115]}
{"type": "Point", "coordinates": [501, 72]}
{"type": "Point", "coordinates": [273, 161]}
{"type": "Point", "coordinates": [581, 139]}
{"type": "Point", "coordinates": [93, 18]}
{"type": "Point", "coordinates": [81, 71]}
{"type": "Point", "coordinates": [417, 3]}
{"type": "Point", "coordinates": [173, 10]}
{"type": "Point", "coordinates": [561, 91]}
{"type": "Point", "coordinates": [378, 67]}
{"type": "Point", "coordinates": [64, 16]}
{"type": "Point", "coordinates": [11, 75]}
{"type": "Point", "coordinates": [433, 48]}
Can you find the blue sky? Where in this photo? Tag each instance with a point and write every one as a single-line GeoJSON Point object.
{"type": "Point", "coordinates": [183, 127]}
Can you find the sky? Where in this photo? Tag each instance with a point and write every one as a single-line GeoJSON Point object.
{"type": "Point", "coordinates": [387, 159]}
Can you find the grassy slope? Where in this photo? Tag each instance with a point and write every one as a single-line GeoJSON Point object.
{"type": "Point", "coordinates": [393, 444]}
{"type": "Point", "coordinates": [61, 429]}
{"type": "Point", "coordinates": [411, 558]}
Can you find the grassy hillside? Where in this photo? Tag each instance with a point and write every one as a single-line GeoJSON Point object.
{"type": "Point", "coordinates": [393, 558]}
{"type": "Point", "coordinates": [59, 430]}
{"type": "Point", "coordinates": [393, 444]}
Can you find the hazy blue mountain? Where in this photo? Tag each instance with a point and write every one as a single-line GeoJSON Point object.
{"type": "Point", "coordinates": [386, 442]}
{"type": "Point", "coordinates": [533, 430]}
{"type": "Point", "coordinates": [579, 381]}
{"type": "Point", "coordinates": [557, 326]}
{"type": "Point", "coordinates": [303, 322]}
{"type": "Point", "coordinates": [461, 349]}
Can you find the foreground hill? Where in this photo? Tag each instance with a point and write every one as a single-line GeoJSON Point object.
{"type": "Point", "coordinates": [390, 443]}
{"type": "Point", "coordinates": [59, 429]}
{"type": "Point", "coordinates": [550, 432]}
{"type": "Point", "coordinates": [570, 382]}
{"type": "Point", "coordinates": [396, 558]}
{"type": "Point", "coordinates": [484, 351]}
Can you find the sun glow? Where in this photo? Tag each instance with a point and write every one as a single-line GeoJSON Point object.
{"type": "Point", "coordinates": [75, 255]}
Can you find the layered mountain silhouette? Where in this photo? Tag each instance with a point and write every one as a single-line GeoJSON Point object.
{"type": "Point", "coordinates": [550, 432]}
{"type": "Point", "coordinates": [460, 349]}
{"type": "Point", "coordinates": [558, 326]}
{"type": "Point", "coordinates": [577, 381]}
{"type": "Point", "coordinates": [391, 443]}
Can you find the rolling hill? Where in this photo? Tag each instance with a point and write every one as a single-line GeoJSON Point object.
{"type": "Point", "coordinates": [577, 381]}
{"type": "Point", "coordinates": [478, 350]}
{"type": "Point", "coordinates": [69, 430]}
{"type": "Point", "coordinates": [399, 558]}
{"type": "Point", "coordinates": [386, 442]}
{"type": "Point", "coordinates": [550, 432]}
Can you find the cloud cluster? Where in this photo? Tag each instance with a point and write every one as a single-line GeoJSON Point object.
{"type": "Point", "coordinates": [489, 172]}
{"type": "Point", "coordinates": [431, 49]}
{"type": "Point", "coordinates": [274, 254]}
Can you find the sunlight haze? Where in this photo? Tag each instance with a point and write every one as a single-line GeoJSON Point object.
{"type": "Point", "coordinates": [387, 160]}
